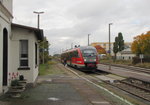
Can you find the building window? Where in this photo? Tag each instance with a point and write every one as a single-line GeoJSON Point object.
{"type": "Point", "coordinates": [23, 53]}
{"type": "Point", "coordinates": [129, 57]}
{"type": "Point", "coordinates": [36, 54]}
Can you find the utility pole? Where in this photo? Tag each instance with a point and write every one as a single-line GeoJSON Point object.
{"type": "Point", "coordinates": [71, 45]}
{"type": "Point", "coordinates": [38, 26]}
{"type": "Point", "coordinates": [88, 39]}
{"type": "Point", "coordinates": [109, 48]}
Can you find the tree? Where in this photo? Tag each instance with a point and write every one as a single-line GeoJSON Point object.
{"type": "Point", "coordinates": [44, 50]}
{"type": "Point", "coordinates": [118, 44]}
{"type": "Point", "coordinates": [115, 47]}
{"type": "Point", "coordinates": [141, 44]}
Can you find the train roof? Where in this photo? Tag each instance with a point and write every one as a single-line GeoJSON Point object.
{"type": "Point", "coordinates": [81, 48]}
{"type": "Point", "coordinates": [86, 47]}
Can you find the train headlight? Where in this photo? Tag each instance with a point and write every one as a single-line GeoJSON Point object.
{"type": "Point", "coordinates": [94, 59]}
{"type": "Point", "coordinates": [79, 61]}
{"type": "Point", "coordinates": [84, 59]}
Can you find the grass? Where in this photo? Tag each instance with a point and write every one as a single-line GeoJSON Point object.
{"type": "Point", "coordinates": [124, 62]}
{"type": "Point", "coordinates": [43, 68]}
{"type": "Point", "coordinates": [49, 68]}
{"type": "Point", "coordinates": [143, 65]}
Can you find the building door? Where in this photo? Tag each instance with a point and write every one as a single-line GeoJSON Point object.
{"type": "Point", "coordinates": [5, 56]}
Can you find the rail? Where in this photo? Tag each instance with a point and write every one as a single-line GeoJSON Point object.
{"type": "Point", "coordinates": [136, 87]}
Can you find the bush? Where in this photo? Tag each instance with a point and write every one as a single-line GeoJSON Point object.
{"type": "Point", "coordinates": [135, 60]}
{"type": "Point", "coordinates": [143, 65]}
{"type": "Point", "coordinates": [146, 58]}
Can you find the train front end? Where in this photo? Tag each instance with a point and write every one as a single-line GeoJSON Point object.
{"type": "Point", "coordinates": [90, 57]}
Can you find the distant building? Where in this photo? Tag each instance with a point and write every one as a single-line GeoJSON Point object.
{"type": "Point", "coordinates": [105, 45]}
{"type": "Point", "coordinates": [126, 54]}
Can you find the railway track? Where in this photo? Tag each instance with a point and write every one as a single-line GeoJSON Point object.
{"type": "Point", "coordinates": [135, 87]}
{"type": "Point", "coordinates": [138, 69]}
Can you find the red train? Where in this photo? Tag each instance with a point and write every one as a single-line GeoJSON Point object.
{"type": "Point", "coordinates": [81, 57]}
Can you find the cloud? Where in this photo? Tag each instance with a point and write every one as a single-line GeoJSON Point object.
{"type": "Point", "coordinates": [70, 21]}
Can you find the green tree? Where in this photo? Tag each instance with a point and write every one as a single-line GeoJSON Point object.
{"type": "Point", "coordinates": [115, 47]}
{"type": "Point", "coordinates": [120, 42]}
{"type": "Point", "coordinates": [118, 45]}
{"type": "Point", "coordinates": [44, 50]}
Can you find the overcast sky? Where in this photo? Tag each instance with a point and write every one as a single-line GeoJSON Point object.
{"type": "Point", "coordinates": [70, 21]}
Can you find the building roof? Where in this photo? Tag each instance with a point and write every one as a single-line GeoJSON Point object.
{"type": "Point", "coordinates": [38, 32]}
{"type": "Point", "coordinates": [126, 51]}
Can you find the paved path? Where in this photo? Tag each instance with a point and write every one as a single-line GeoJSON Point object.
{"type": "Point", "coordinates": [63, 89]}
{"type": "Point", "coordinates": [58, 90]}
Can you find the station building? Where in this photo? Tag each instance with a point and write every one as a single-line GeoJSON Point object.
{"type": "Point", "coordinates": [5, 33]}
{"type": "Point", "coordinates": [19, 48]}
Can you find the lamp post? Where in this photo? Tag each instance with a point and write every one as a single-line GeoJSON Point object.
{"type": "Point", "coordinates": [71, 45]}
{"type": "Point", "coordinates": [38, 19]}
{"type": "Point", "coordinates": [88, 39]}
{"type": "Point", "coordinates": [38, 26]}
{"type": "Point", "coordinates": [109, 48]}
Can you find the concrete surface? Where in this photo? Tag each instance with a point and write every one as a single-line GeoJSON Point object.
{"type": "Point", "coordinates": [62, 89]}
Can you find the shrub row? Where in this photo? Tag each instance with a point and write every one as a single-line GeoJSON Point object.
{"type": "Point", "coordinates": [138, 60]}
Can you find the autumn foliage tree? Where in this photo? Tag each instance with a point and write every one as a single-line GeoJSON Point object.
{"type": "Point", "coordinates": [141, 44]}
{"type": "Point", "coordinates": [100, 49]}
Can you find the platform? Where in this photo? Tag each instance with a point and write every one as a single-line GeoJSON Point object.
{"type": "Point", "coordinates": [59, 90]}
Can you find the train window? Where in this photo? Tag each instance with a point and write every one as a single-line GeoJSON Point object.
{"type": "Point", "coordinates": [74, 54]}
{"type": "Point", "coordinates": [68, 57]}
{"type": "Point", "coordinates": [71, 54]}
{"type": "Point", "coordinates": [89, 52]}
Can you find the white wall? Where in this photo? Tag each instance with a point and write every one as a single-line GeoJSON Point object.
{"type": "Point", "coordinates": [8, 4]}
{"type": "Point", "coordinates": [36, 71]}
{"type": "Point", "coordinates": [1, 46]}
{"type": "Point", "coordinates": [3, 24]}
{"type": "Point", "coordinates": [19, 34]}
{"type": "Point", "coordinates": [125, 56]}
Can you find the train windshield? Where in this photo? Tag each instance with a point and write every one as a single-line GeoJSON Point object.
{"type": "Point", "coordinates": [89, 52]}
